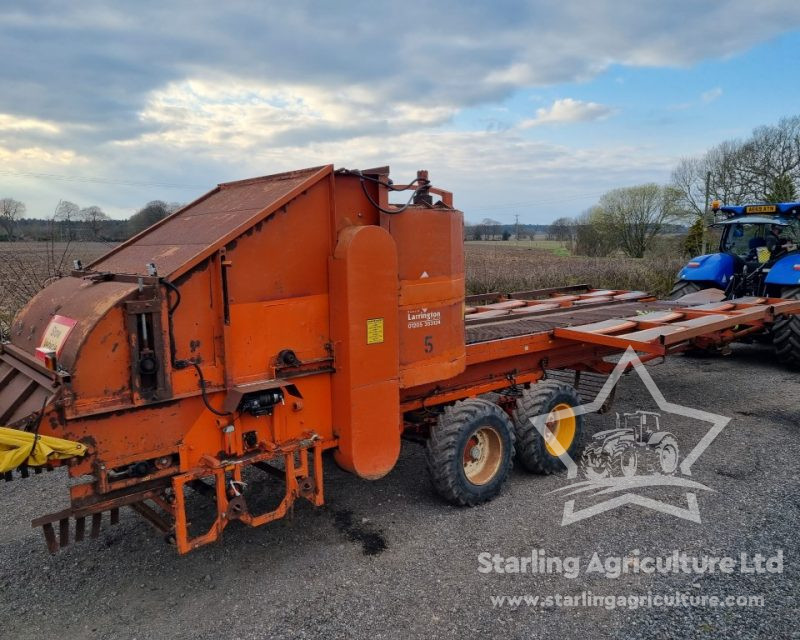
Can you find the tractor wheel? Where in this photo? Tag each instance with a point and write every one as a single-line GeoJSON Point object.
{"type": "Point", "coordinates": [470, 452]}
{"type": "Point", "coordinates": [668, 455]}
{"type": "Point", "coordinates": [594, 467]}
{"type": "Point", "coordinates": [626, 463]}
{"type": "Point", "coordinates": [684, 287]}
{"type": "Point", "coordinates": [555, 400]}
{"type": "Point", "coordinates": [786, 332]}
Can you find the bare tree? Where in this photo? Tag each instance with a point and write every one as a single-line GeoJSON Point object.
{"type": "Point", "coordinates": [148, 215]}
{"type": "Point", "coordinates": [743, 171]}
{"type": "Point", "coordinates": [67, 213]}
{"type": "Point", "coordinates": [23, 274]}
{"type": "Point", "coordinates": [562, 229]}
{"type": "Point", "coordinates": [10, 211]}
{"type": "Point", "coordinates": [782, 190]}
{"type": "Point", "coordinates": [471, 232]}
{"type": "Point", "coordinates": [94, 217]}
{"type": "Point", "coordinates": [593, 236]}
{"type": "Point", "coordinates": [772, 151]}
{"type": "Point", "coordinates": [636, 215]}
{"type": "Point", "coordinates": [490, 229]}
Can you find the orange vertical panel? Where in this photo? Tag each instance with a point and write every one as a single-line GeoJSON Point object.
{"type": "Point", "coordinates": [365, 387]}
{"type": "Point", "coordinates": [430, 253]}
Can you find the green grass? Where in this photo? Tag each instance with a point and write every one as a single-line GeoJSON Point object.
{"type": "Point", "coordinates": [555, 247]}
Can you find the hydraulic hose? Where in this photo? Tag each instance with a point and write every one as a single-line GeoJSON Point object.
{"type": "Point", "coordinates": [182, 364]}
{"type": "Point", "coordinates": [424, 184]}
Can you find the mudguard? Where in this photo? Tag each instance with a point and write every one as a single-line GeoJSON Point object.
{"type": "Point", "coordinates": [714, 267]}
{"type": "Point", "coordinates": [658, 436]}
{"type": "Point", "coordinates": [785, 271]}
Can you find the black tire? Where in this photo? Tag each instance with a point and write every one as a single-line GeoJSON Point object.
{"type": "Point", "coordinates": [786, 333]}
{"type": "Point", "coordinates": [684, 287]}
{"type": "Point", "coordinates": [449, 445]}
{"type": "Point", "coordinates": [594, 468]}
{"type": "Point", "coordinates": [668, 455]}
{"type": "Point", "coordinates": [540, 399]}
{"type": "Point", "coordinates": [626, 463]}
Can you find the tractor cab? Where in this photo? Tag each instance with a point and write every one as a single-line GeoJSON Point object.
{"type": "Point", "coordinates": [757, 256]}
{"type": "Point", "coordinates": [637, 423]}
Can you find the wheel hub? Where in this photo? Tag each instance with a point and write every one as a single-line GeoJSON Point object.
{"type": "Point", "coordinates": [483, 455]}
{"type": "Point", "coordinates": [561, 423]}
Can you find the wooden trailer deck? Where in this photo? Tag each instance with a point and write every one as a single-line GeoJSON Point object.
{"type": "Point", "coordinates": [619, 318]}
{"type": "Point", "coordinates": [517, 338]}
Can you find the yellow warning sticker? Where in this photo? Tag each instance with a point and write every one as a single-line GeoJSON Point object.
{"type": "Point", "coordinates": [374, 330]}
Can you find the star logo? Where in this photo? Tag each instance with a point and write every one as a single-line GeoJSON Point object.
{"type": "Point", "coordinates": [610, 486]}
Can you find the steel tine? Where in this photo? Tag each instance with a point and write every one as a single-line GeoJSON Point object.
{"type": "Point", "coordinates": [63, 531]}
{"type": "Point", "coordinates": [50, 537]}
{"type": "Point", "coordinates": [97, 519]}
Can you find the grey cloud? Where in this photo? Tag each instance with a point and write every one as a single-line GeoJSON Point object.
{"type": "Point", "coordinates": [90, 63]}
{"type": "Point", "coordinates": [91, 66]}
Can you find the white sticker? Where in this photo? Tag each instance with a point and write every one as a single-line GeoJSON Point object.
{"type": "Point", "coordinates": [423, 318]}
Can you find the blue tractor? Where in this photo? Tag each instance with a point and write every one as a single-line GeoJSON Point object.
{"type": "Point", "coordinates": [759, 255]}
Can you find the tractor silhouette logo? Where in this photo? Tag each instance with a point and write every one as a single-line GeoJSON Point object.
{"type": "Point", "coordinates": [636, 444]}
{"type": "Point", "coordinates": [621, 465]}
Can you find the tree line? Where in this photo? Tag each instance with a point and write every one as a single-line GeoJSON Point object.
{"type": "Point", "coordinates": [488, 229]}
{"type": "Point", "coordinates": [762, 168]}
{"type": "Point", "coordinates": [71, 222]}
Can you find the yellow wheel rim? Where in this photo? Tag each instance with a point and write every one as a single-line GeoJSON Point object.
{"type": "Point", "coordinates": [482, 456]}
{"type": "Point", "coordinates": [561, 425]}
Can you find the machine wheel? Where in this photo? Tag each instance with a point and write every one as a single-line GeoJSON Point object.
{"type": "Point", "coordinates": [470, 452]}
{"type": "Point", "coordinates": [668, 455]}
{"type": "Point", "coordinates": [547, 398]}
{"type": "Point", "coordinates": [786, 332]}
{"type": "Point", "coordinates": [626, 463]}
{"type": "Point", "coordinates": [684, 287]}
{"type": "Point", "coordinates": [594, 467]}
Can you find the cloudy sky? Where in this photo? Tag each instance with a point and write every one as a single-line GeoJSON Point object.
{"type": "Point", "coordinates": [529, 108]}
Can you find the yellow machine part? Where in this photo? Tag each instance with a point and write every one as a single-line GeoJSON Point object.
{"type": "Point", "coordinates": [17, 448]}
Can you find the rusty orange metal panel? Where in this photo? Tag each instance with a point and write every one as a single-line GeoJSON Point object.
{"type": "Point", "coordinates": [188, 236]}
{"type": "Point", "coordinates": [267, 328]}
{"type": "Point", "coordinates": [430, 254]}
{"type": "Point", "coordinates": [81, 300]}
{"type": "Point", "coordinates": [364, 319]}
{"type": "Point", "coordinates": [287, 254]}
{"type": "Point", "coordinates": [102, 380]}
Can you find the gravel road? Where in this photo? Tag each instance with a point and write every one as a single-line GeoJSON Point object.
{"type": "Point", "coordinates": [388, 559]}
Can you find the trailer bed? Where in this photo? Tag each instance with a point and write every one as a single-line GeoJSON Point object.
{"type": "Point", "coordinates": [515, 338]}
{"type": "Point", "coordinates": [509, 327]}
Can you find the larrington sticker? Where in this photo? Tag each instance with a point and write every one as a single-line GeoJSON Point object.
{"type": "Point", "coordinates": [419, 318]}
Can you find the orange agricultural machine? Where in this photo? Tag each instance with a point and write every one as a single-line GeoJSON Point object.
{"type": "Point", "coordinates": [275, 318]}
